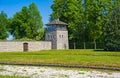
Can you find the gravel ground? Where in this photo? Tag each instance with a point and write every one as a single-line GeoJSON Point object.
{"type": "Point", "coordinates": [47, 72]}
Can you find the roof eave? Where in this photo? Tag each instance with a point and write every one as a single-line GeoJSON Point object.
{"type": "Point", "coordinates": [56, 24]}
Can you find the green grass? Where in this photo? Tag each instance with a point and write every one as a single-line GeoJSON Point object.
{"type": "Point", "coordinates": [68, 57]}
{"type": "Point", "coordinates": [12, 77]}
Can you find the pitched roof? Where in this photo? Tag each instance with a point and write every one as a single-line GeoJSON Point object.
{"type": "Point", "coordinates": [56, 22]}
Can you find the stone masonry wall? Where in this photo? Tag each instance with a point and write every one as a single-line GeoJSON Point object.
{"type": "Point", "coordinates": [62, 40]}
{"type": "Point", "coordinates": [43, 45]}
{"type": "Point", "coordinates": [51, 36]}
{"type": "Point", "coordinates": [12, 46]}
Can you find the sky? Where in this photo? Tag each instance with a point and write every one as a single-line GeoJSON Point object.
{"type": "Point", "coordinates": [10, 7]}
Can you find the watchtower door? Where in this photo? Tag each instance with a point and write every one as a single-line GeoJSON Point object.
{"type": "Point", "coordinates": [25, 46]}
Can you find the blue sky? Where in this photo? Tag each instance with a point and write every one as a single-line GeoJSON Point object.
{"type": "Point", "coordinates": [10, 7]}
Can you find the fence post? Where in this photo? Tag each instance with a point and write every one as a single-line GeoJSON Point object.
{"type": "Point", "coordinates": [95, 45]}
{"type": "Point", "coordinates": [84, 46]}
{"type": "Point", "coordinates": [74, 45]}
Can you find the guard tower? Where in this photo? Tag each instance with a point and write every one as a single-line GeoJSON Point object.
{"type": "Point", "coordinates": [57, 33]}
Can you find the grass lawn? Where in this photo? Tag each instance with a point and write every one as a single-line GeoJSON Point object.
{"type": "Point", "coordinates": [67, 57]}
{"type": "Point", "coordinates": [12, 77]}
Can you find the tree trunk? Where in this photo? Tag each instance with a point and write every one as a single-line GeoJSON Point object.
{"type": "Point", "coordinates": [94, 44]}
{"type": "Point", "coordinates": [74, 45]}
{"type": "Point", "coordinates": [84, 46]}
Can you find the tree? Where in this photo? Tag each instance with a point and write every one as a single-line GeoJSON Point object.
{"type": "Point", "coordinates": [27, 23]}
{"type": "Point", "coordinates": [3, 26]}
{"type": "Point", "coordinates": [86, 18]}
{"type": "Point", "coordinates": [112, 29]}
{"type": "Point", "coordinates": [95, 18]}
{"type": "Point", "coordinates": [69, 11]}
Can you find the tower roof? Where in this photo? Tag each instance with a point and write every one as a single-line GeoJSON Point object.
{"type": "Point", "coordinates": [56, 22]}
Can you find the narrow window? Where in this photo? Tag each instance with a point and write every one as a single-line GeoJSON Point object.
{"type": "Point", "coordinates": [51, 36]}
{"type": "Point", "coordinates": [62, 36]}
{"type": "Point", "coordinates": [48, 36]}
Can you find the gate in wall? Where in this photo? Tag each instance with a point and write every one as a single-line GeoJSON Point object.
{"type": "Point", "coordinates": [25, 46]}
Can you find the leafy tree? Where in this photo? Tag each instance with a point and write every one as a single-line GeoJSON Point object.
{"type": "Point", "coordinates": [96, 15]}
{"type": "Point", "coordinates": [112, 29]}
{"type": "Point", "coordinates": [86, 18]}
{"type": "Point", "coordinates": [27, 23]}
{"type": "Point", "coordinates": [3, 26]}
{"type": "Point", "coordinates": [69, 11]}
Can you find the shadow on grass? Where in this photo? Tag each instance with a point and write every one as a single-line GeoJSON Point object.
{"type": "Point", "coordinates": [102, 50]}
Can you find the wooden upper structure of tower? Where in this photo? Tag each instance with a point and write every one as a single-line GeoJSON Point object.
{"type": "Point", "coordinates": [56, 22]}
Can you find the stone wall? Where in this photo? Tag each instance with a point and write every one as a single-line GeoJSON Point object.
{"type": "Point", "coordinates": [12, 46]}
{"type": "Point", "coordinates": [62, 40]}
{"type": "Point", "coordinates": [51, 36]}
{"type": "Point", "coordinates": [59, 39]}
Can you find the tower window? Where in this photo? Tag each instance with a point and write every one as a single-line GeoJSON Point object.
{"type": "Point", "coordinates": [62, 36]}
{"type": "Point", "coordinates": [48, 36]}
{"type": "Point", "coordinates": [51, 37]}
